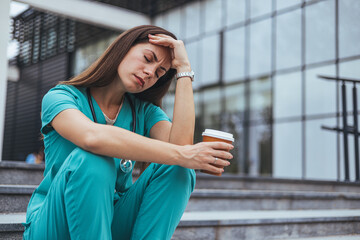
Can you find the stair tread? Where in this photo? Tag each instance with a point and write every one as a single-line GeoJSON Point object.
{"type": "Point", "coordinates": [270, 214]}
{"type": "Point", "coordinates": [221, 193]}
{"type": "Point", "coordinates": [21, 165]}
{"type": "Point", "coordinates": [332, 237]}
{"type": "Point", "coordinates": [8, 218]}
{"type": "Point", "coordinates": [12, 218]}
{"type": "Point", "coordinates": [275, 193]}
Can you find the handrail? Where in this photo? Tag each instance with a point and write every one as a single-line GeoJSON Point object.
{"type": "Point", "coordinates": [346, 128]}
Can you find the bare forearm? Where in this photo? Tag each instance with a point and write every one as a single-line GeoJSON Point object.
{"type": "Point", "coordinates": [120, 143]}
{"type": "Point", "coordinates": [182, 130]}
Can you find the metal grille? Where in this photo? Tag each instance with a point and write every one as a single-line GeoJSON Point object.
{"type": "Point", "coordinates": [41, 36]}
{"type": "Point", "coordinates": [148, 7]}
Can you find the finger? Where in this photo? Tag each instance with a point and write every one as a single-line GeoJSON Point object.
{"type": "Point", "coordinates": [219, 145]}
{"type": "Point", "coordinates": [161, 37]}
{"type": "Point", "coordinates": [214, 169]}
{"type": "Point", "coordinates": [164, 35]}
{"type": "Point", "coordinates": [162, 42]}
{"type": "Point", "coordinates": [219, 162]}
{"type": "Point", "coordinates": [164, 38]}
{"type": "Point", "coordinates": [222, 154]}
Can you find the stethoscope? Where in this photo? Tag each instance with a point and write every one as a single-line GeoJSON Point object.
{"type": "Point", "coordinates": [125, 164]}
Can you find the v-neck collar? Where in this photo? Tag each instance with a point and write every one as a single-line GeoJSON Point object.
{"type": "Point", "coordinates": [121, 118]}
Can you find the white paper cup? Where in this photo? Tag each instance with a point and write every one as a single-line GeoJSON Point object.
{"type": "Point", "coordinates": [211, 135]}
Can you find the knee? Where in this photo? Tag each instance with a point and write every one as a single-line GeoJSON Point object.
{"type": "Point", "coordinates": [93, 166]}
{"type": "Point", "coordinates": [180, 177]}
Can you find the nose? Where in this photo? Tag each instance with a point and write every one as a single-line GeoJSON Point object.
{"type": "Point", "coordinates": [150, 71]}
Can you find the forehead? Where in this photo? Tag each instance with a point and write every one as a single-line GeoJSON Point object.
{"type": "Point", "coordinates": [162, 53]}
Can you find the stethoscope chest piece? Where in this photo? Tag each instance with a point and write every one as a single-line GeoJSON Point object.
{"type": "Point", "coordinates": [126, 165]}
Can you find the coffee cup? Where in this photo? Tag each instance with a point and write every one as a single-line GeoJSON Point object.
{"type": "Point", "coordinates": [211, 135]}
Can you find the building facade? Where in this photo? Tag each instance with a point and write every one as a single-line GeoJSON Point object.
{"type": "Point", "coordinates": [257, 65]}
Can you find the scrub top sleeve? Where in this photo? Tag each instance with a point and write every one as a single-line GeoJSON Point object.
{"type": "Point", "coordinates": [153, 114]}
{"type": "Point", "coordinates": [54, 102]}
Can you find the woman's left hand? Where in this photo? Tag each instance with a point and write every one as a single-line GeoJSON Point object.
{"type": "Point", "coordinates": [180, 60]}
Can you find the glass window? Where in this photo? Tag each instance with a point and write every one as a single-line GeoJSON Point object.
{"type": "Point", "coordinates": [349, 70]}
{"type": "Point", "coordinates": [349, 34]}
{"type": "Point", "coordinates": [320, 31]}
{"type": "Point", "coordinates": [212, 108]}
{"type": "Point", "coordinates": [287, 150]}
{"type": "Point", "coordinates": [321, 151]}
{"type": "Point", "coordinates": [234, 55]}
{"type": "Point", "coordinates": [192, 20]}
{"type": "Point", "coordinates": [235, 98]}
{"type": "Point", "coordinates": [235, 11]}
{"type": "Point", "coordinates": [232, 121]}
{"type": "Point", "coordinates": [198, 117]}
{"type": "Point", "coordinates": [197, 102]}
{"type": "Point", "coordinates": [260, 151]}
{"type": "Point", "coordinates": [213, 20]}
{"type": "Point", "coordinates": [168, 104]}
{"type": "Point", "coordinates": [193, 51]}
{"type": "Point", "coordinates": [174, 22]}
{"type": "Point", "coordinates": [52, 42]}
{"type": "Point", "coordinates": [260, 47]}
{"type": "Point", "coordinates": [281, 4]}
{"type": "Point", "coordinates": [287, 95]}
{"type": "Point", "coordinates": [260, 99]}
{"type": "Point", "coordinates": [320, 95]}
{"type": "Point", "coordinates": [260, 7]}
{"type": "Point", "coordinates": [210, 60]}
{"type": "Point", "coordinates": [288, 40]}
{"type": "Point", "coordinates": [84, 56]}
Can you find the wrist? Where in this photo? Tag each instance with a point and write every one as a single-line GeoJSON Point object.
{"type": "Point", "coordinates": [185, 68]}
{"type": "Point", "coordinates": [177, 154]}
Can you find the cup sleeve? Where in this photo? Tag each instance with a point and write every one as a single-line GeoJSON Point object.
{"type": "Point", "coordinates": [54, 102]}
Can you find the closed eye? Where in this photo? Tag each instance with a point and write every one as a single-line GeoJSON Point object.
{"type": "Point", "coordinates": [147, 60]}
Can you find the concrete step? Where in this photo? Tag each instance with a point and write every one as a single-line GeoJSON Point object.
{"type": "Point", "coordinates": [13, 172]}
{"type": "Point", "coordinates": [245, 225]}
{"type": "Point", "coordinates": [227, 200]}
{"type": "Point", "coordinates": [15, 198]}
{"type": "Point", "coordinates": [340, 237]}
{"type": "Point", "coordinates": [206, 181]}
{"type": "Point", "coordinates": [266, 225]}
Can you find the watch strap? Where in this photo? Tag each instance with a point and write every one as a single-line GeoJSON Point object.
{"type": "Point", "coordinates": [185, 74]}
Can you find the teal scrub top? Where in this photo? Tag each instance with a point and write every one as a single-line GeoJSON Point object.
{"type": "Point", "coordinates": [58, 148]}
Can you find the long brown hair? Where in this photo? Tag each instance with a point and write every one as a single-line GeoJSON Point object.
{"type": "Point", "coordinates": [104, 70]}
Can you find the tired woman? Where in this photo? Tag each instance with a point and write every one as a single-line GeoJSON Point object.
{"type": "Point", "coordinates": [99, 123]}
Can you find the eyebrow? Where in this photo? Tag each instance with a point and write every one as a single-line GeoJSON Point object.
{"type": "Point", "coordinates": [156, 59]}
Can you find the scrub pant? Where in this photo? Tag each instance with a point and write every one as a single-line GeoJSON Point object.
{"type": "Point", "coordinates": [82, 204]}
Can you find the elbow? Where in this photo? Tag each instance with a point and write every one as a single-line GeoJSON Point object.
{"type": "Point", "coordinates": [90, 141]}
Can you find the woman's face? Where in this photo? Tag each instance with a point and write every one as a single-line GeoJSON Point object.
{"type": "Point", "coordinates": [142, 66]}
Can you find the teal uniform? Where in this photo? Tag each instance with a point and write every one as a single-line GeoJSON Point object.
{"type": "Point", "coordinates": [87, 196]}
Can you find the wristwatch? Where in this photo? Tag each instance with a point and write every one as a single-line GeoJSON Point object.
{"type": "Point", "coordinates": [185, 74]}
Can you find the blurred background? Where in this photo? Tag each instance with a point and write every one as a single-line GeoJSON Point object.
{"type": "Point", "coordinates": [257, 65]}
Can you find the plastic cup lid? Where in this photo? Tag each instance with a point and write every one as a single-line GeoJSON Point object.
{"type": "Point", "coordinates": [218, 134]}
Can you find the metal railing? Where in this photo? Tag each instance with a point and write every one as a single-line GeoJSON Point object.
{"type": "Point", "coordinates": [347, 129]}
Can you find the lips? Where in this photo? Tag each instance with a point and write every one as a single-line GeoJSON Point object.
{"type": "Point", "coordinates": [140, 81]}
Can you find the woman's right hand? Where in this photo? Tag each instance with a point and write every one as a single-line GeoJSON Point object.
{"type": "Point", "coordinates": [202, 155]}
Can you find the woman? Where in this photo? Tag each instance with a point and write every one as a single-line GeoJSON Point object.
{"type": "Point", "coordinates": [110, 113]}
